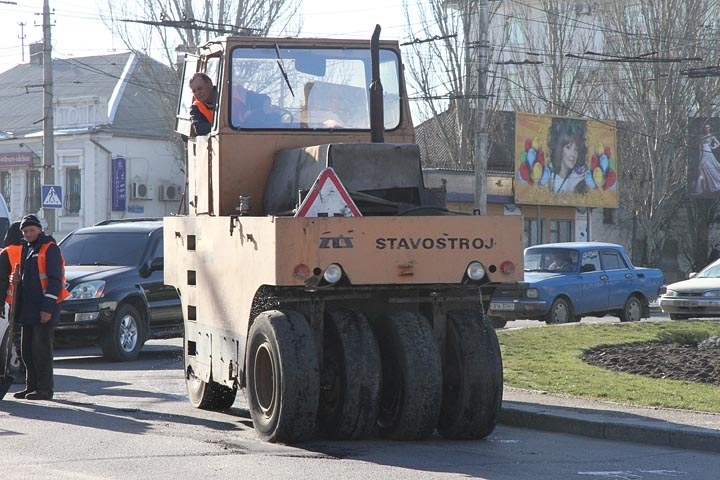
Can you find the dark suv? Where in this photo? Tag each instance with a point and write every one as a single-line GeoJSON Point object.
{"type": "Point", "coordinates": [118, 296]}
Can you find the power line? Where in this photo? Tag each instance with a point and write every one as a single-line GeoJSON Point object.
{"type": "Point", "coordinates": [193, 24]}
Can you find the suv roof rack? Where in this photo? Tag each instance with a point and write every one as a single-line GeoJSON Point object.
{"type": "Point", "coordinates": [129, 220]}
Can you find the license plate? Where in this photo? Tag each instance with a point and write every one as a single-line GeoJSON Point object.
{"type": "Point", "coordinates": [502, 306]}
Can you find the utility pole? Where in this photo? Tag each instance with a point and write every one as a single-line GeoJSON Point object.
{"type": "Point", "coordinates": [22, 39]}
{"type": "Point", "coordinates": [481, 134]}
{"type": "Point", "coordinates": [48, 176]}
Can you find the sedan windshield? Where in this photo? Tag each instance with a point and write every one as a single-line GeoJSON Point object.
{"type": "Point", "coordinates": [551, 259]}
{"type": "Point", "coordinates": [713, 271]}
{"type": "Point", "coordinates": [125, 248]}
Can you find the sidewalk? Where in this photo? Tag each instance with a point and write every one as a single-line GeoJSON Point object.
{"type": "Point", "coordinates": [610, 421]}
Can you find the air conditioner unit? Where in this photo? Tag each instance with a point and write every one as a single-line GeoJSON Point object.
{"type": "Point", "coordinates": [170, 192]}
{"type": "Point", "coordinates": [142, 191]}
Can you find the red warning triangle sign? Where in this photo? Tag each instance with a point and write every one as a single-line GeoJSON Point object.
{"type": "Point", "coordinates": [328, 198]}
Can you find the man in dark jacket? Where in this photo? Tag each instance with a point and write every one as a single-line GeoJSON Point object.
{"type": "Point", "coordinates": [42, 288]}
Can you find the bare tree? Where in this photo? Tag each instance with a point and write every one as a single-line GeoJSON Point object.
{"type": "Point", "coordinates": [652, 46]}
{"type": "Point", "coordinates": [530, 60]}
{"type": "Point", "coordinates": [541, 64]}
{"type": "Point", "coordinates": [610, 60]}
{"type": "Point", "coordinates": [443, 70]}
{"type": "Point", "coordinates": [168, 26]}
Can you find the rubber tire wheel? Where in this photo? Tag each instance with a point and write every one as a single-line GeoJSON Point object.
{"type": "Point", "coordinates": [560, 306]}
{"type": "Point", "coordinates": [411, 377]}
{"type": "Point", "coordinates": [207, 395]}
{"type": "Point", "coordinates": [350, 378]}
{"type": "Point", "coordinates": [283, 379]}
{"type": "Point", "coordinates": [124, 339]}
{"type": "Point", "coordinates": [498, 322]}
{"type": "Point", "coordinates": [632, 311]}
{"type": "Point", "coordinates": [472, 378]}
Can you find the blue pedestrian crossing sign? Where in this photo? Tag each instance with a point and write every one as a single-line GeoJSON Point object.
{"type": "Point", "coordinates": [51, 196]}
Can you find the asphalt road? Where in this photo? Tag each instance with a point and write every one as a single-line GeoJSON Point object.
{"type": "Point", "coordinates": [133, 420]}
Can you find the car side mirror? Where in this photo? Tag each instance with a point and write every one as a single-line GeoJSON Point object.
{"type": "Point", "coordinates": [157, 264]}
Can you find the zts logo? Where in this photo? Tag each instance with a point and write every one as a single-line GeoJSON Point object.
{"type": "Point", "coordinates": [336, 242]}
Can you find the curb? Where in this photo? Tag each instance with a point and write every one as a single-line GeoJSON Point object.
{"type": "Point", "coordinates": [609, 425]}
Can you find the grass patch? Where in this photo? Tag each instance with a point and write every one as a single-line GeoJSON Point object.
{"type": "Point", "coordinates": [548, 358]}
{"type": "Point", "coordinates": [686, 338]}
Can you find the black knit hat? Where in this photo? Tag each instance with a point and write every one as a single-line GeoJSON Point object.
{"type": "Point", "coordinates": [29, 221]}
{"type": "Point", "coordinates": [14, 235]}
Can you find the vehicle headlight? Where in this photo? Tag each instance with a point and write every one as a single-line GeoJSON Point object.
{"type": "Point", "coordinates": [85, 290]}
{"type": "Point", "coordinates": [671, 293]}
{"type": "Point", "coordinates": [333, 273]}
{"type": "Point", "coordinates": [475, 271]}
{"type": "Point", "coordinates": [532, 293]}
{"type": "Point", "coordinates": [712, 293]}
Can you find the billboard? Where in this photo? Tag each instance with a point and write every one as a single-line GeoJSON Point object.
{"type": "Point", "coordinates": [703, 153]}
{"type": "Point", "coordinates": [565, 161]}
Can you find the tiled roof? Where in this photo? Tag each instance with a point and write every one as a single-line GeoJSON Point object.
{"type": "Point", "coordinates": [434, 152]}
{"type": "Point", "coordinates": [148, 85]}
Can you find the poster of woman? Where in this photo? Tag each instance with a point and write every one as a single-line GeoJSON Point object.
{"type": "Point", "coordinates": [704, 148]}
{"type": "Point", "coordinates": [565, 161]}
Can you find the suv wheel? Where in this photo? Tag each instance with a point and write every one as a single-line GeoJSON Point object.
{"type": "Point", "coordinates": [123, 341]}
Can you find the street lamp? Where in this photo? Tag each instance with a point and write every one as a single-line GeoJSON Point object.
{"type": "Point", "coordinates": [35, 155]}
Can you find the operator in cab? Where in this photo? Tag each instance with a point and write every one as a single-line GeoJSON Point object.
{"type": "Point", "coordinates": [203, 106]}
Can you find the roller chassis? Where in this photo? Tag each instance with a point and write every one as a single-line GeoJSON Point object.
{"type": "Point", "coordinates": [398, 346]}
{"type": "Point", "coordinates": [240, 339]}
{"type": "Point", "coordinates": [439, 393]}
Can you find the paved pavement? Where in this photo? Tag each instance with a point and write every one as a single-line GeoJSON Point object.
{"type": "Point", "coordinates": [610, 421]}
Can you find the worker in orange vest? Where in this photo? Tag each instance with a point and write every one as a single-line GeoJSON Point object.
{"type": "Point", "coordinates": [42, 273]}
{"type": "Point", "coordinates": [202, 109]}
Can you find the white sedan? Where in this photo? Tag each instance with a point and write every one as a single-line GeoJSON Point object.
{"type": "Point", "coordinates": [696, 297]}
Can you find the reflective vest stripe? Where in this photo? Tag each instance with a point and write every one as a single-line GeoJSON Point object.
{"type": "Point", "coordinates": [206, 111]}
{"type": "Point", "coordinates": [42, 271]}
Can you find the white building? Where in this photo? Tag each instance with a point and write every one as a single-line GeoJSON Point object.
{"type": "Point", "coordinates": [115, 153]}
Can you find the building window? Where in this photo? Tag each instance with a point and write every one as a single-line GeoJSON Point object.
{"type": "Point", "coordinates": [32, 197]}
{"type": "Point", "coordinates": [608, 216]}
{"type": "Point", "coordinates": [531, 234]}
{"type": "Point", "coordinates": [561, 231]}
{"type": "Point", "coordinates": [73, 191]}
{"type": "Point", "coordinates": [5, 187]}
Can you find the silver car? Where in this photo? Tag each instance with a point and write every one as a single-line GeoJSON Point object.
{"type": "Point", "coordinates": [697, 297]}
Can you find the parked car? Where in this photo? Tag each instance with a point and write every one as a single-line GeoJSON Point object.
{"type": "Point", "coordinates": [566, 281]}
{"type": "Point", "coordinates": [119, 299]}
{"type": "Point", "coordinates": [696, 297]}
